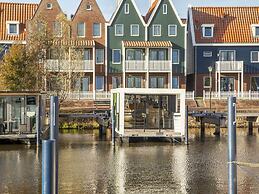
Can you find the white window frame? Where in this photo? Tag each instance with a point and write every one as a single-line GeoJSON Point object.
{"type": "Point", "coordinates": [100, 31]}
{"type": "Point", "coordinates": [164, 9]}
{"type": "Point", "coordinates": [204, 78]}
{"type": "Point", "coordinates": [96, 56]}
{"type": "Point", "coordinates": [253, 27]}
{"type": "Point", "coordinates": [153, 29]}
{"type": "Point", "coordinates": [126, 8]}
{"type": "Point", "coordinates": [207, 26]}
{"type": "Point", "coordinates": [113, 56]}
{"type": "Point", "coordinates": [90, 7]}
{"type": "Point", "coordinates": [178, 56]}
{"type": "Point", "coordinates": [170, 25]}
{"type": "Point", "coordinates": [116, 25]}
{"type": "Point", "coordinates": [207, 54]}
{"type": "Point", "coordinates": [77, 30]}
{"type": "Point", "coordinates": [178, 82]}
{"type": "Point", "coordinates": [17, 23]}
{"type": "Point", "coordinates": [49, 6]}
{"type": "Point", "coordinates": [251, 54]}
{"type": "Point", "coordinates": [131, 27]}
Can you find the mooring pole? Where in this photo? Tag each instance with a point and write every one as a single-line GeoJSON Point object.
{"type": "Point", "coordinates": [187, 127]}
{"type": "Point", "coordinates": [113, 127]}
{"type": "Point", "coordinates": [38, 120]}
{"type": "Point", "coordinates": [54, 129]}
{"type": "Point", "coordinates": [232, 150]}
{"type": "Point", "coordinates": [48, 166]}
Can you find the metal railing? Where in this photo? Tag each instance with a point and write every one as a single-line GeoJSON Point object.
{"type": "Point", "coordinates": [229, 66]}
{"type": "Point", "coordinates": [66, 65]}
{"type": "Point", "coordinates": [190, 95]}
{"type": "Point", "coordinates": [135, 65]}
{"type": "Point", "coordinates": [162, 65]}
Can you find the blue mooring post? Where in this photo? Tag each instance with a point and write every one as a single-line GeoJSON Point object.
{"type": "Point", "coordinates": [48, 166]}
{"type": "Point", "coordinates": [38, 120]}
{"type": "Point", "coordinates": [54, 130]}
{"type": "Point", "coordinates": [232, 150]}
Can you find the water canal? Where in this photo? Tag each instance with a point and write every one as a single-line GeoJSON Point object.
{"type": "Point", "coordinates": [88, 165]}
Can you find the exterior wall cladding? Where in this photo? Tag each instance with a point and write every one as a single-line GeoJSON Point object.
{"type": "Point", "coordinates": [242, 53]}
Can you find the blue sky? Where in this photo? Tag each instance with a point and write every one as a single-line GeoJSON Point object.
{"type": "Point", "coordinates": [108, 6]}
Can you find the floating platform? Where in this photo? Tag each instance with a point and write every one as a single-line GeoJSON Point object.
{"type": "Point", "coordinates": [18, 138]}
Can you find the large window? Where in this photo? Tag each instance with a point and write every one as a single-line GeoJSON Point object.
{"type": "Point", "coordinates": [134, 30]}
{"type": "Point", "coordinates": [157, 82]}
{"type": "Point", "coordinates": [255, 83]}
{"type": "Point", "coordinates": [99, 56]}
{"type": "Point", "coordinates": [96, 30]}
{"type": "Point", "coordinates": [81, 29]}
{"type": "Point", "coordinates": [172, 30]}
{"type": "Point", "coordinates": [134, 54]}
{"type": "Point", "coordinates": [57, 29]}
{"type": "Point", "coordinates": [99, 83]}
{"type": "Point", "coordinates": [156, 30]}
{"type": "Point", "coordinates": [116, 82]}
{"type": "Point", "coordinates": [119, 30]}
{"type": "Point", "coordinates": [176, 56]}
{"type": "Point", "coordinates": [82, 84]}
{"type": "Point", "coordinates": [158, 54]}
{"type": "Point", "coordinates": [87, 54]}
{"type": "Point", "coordinates": [207, 30]}
{"type": "Point", "coordinates": [13, 28]}
{"type": "Point", "coordinates": [175, 81]}
{"type": "Point", "coordinates": [254, 56]}
{"type": "Point", "coordinates": [227, 55]}
{"type": "Point", "coordinates": [134, 82]}
{"type": "Point", "coordinates": [116, 56]}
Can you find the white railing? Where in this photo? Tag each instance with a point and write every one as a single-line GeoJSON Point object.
{"type": "Point", "coordinates": [246, 95]}
{"type": "Point", "coordinates": [189, 95]}
{"type": "Point", "coordinates": [88, 96]}
{"type": "Point", "coordinates": [162, 65]}
{"type": "Point", "coordinates": [135, 65]}
{"type": "Point", "coordinates": [229, 66]}
{"type": "Point", "coordinates": [103, 95]}
{"type": "Point", "coordinates": [66, 65]}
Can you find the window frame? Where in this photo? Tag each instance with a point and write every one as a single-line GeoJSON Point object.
{"type": "Point", "coordinates": [99, 90]}
{"type": "Point", "coordinates": [113, 56]}
{"type": "Point", "coordinates": [59, 34]}
{"type": "Point", "coordinates": [153, 29]}
{"type": "Point", "coordinates": [117, 78]}
{"type": "Point", "coordinates": [254, 26]}
{"type": "Point", "coordinates": [90, 7]}
{"type": "Point", "coordinates": [100, 28]}
{"type": "Point", "coordinates": [251, 56]}
{"type": "Point", "coordinates": [115, 32]}
{"type": "Point", "coordinates": [17, 23]}
{"type": "Point", "coordinates": [165, 7]}
{"type": "Point", "coordinates": [126, 9]}
{"type": "Point", "coordinates": [178, 82]}
{"type": "Point", "coordinates": [207, 56]}
{"type": "Point", "coordinates": [83, 28]}
{"type": "Point", "coordinates": [176, 29]}
{"type": "Point", "coordinates": [204, 81]}
{"type": "Point", "coordinates": [47, 6]}
{"type": "Point", "coordinates": [204, 26]}
{"type": "Point", "coordinates": [131, 34]}
{"type": "Point", "coordinates": [102, 51]}
{"type": "Point", "coordinates": [178, 60]}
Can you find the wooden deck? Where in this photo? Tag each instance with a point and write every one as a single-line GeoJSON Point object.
{"type": "Point", "coordinates": [151, 133]}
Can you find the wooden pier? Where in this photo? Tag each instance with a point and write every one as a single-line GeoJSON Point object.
{"type": "Point", "coordinates": [18, 138]}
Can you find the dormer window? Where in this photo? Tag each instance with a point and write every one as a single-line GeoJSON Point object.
{"type": "Point", "coordinates": [49, 5]}
{"type": "Point", "coordinates": [12, 27]}
{"type": "Point", "coordinates": [255, 30]}
{"type": "Point", "coordinates": [126, 8]}
{"type": "Point", "coordinates": [207, 30]}
{"type": "Point", "coordinates": [88, 7]}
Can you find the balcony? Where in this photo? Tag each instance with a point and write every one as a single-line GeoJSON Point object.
{"type": "Point", "coordinates": [135, 65]}
{"type": "Point", "coordinates": [160, 66]}
{"type": "Point", "coordinates": [66, 65]}
{"type": "Point", "coordinates": [229, 66]}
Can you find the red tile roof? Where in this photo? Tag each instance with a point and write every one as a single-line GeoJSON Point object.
{"type": "Point", "coordinates": [151, 9]}
{"type": "Point", "coordinates": [145, 44]}
{"type": "Point", "coordinates": [20, 12]}
{"type": "Point", "coordinates": [231, 24]}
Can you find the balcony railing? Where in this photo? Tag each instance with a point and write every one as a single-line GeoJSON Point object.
{"type": "Point", "coordinates": [66, 65]}
{"type": "Point", "coordinates": [229, 66]}
{"type": "Point", "coordinates": [135, 65]}
{"type": "Point", "coordinates": [162, 65]}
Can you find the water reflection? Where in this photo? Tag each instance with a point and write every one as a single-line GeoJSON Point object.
{"type": "Point", "coordinates": [90, 166]}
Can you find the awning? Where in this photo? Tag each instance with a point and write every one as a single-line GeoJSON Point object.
{"type": "Point", "coordinates": [147, 44]}
{"type": "Point", "coordinates": [75, 43]}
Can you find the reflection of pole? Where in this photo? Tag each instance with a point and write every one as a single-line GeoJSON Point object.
{"type": "Point", "coordinates": [54, 129]}
{"type": "Point", "coordinates": [210, 88]}
{"type": "Point", "coordinates": [187, 127]}
{"type": "Point", "coordinates": [38, 119]}
{"type": "Point", "coordinates": [113, 125]}
{"type": "Point", "coordinates": [232, 171]}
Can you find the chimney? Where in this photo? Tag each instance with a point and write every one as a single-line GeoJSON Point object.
{"type": "Point", "coordinates": [151, 2]}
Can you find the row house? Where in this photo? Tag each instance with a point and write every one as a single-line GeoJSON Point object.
{"type": "Point", "coordinates": [223, 49]}
{"type": "Point", "coordinates": [146, 52]}
{"type": "Point", "coordinates": [86, 40]}
{"type": "Point", "coordinates": [13, 26]}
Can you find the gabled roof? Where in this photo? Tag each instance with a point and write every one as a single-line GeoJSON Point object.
{"type": "Point", "coordinates": [20, 12]}
{"type": "Point", "coordinates": [118, 8]}
{"type": "Point", "coordinates": [153, 9]}
{"type": "Point", "coordinates": [232, 25]}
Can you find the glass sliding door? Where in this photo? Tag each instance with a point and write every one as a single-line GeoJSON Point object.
{"type": "Point", "coordinates": [227, 84]}
{"type": "Point", "coordinates": [225, 55]}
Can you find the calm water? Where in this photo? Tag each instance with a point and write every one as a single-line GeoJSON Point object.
{"type": "Point", "coordinates": [91, 166]}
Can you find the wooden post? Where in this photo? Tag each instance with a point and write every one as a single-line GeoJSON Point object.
{"type": "Point", "coordinates": [202, 128]}
{"type": "Point", "coordinates": [250, 128]}
{"type": "Point", "coordinates": [217, 130]}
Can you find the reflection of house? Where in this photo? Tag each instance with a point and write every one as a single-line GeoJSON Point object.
{"type": "Point", "coordinates": [13, 26]}
{"type": "Point", "coordinates": [227, 39]}
{"type": "Point", "coordinates": [148, 112]}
